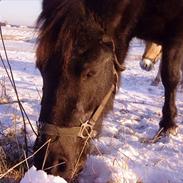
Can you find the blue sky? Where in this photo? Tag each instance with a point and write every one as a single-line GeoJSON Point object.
{"type": "Point", "coordinates": [20, 12]}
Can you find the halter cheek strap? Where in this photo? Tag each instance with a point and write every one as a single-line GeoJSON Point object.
{"type": "Point", "coordinates": [87, 128]}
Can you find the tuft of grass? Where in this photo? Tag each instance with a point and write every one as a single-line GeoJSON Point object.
{"type": "Point", "coordinates": [11, 153]}
{"type": "Point", "coordinates": [12, 143]}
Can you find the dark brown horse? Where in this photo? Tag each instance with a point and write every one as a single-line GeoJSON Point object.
{"type": "Point", "coordinates": [81, 48]}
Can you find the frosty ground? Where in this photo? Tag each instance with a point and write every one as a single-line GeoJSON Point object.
{"type": "Point", "coordinates": [118, 156]}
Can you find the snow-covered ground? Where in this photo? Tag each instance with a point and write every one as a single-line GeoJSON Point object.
{"type": "Point", "coordinates": [118, 156]}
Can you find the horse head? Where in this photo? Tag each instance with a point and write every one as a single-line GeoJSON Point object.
{"type": "Point", "coordinates": [78, 65]}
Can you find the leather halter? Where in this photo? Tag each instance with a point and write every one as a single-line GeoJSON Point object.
{"type": "Point", "coordinates": [87, 128]}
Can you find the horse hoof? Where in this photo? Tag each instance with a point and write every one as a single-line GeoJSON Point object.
{"type": "Point", "coordinates": [146, 64]}
{"type": "Point", "coordinates": [172, 131]}
{"type": "Point", "coordinates": [160, 134]}
{"type": "Point", "coordinates": [167, 132]}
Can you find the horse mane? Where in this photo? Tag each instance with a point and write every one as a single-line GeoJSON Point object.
{"type": "Point", "coordinates": [59, 25]}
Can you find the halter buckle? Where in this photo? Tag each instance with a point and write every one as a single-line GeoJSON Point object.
{"type": "Point", "coordinates": [86, 130]}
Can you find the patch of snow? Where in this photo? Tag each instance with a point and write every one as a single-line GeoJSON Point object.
{"type": "Point", "coordinates": [39, 176]}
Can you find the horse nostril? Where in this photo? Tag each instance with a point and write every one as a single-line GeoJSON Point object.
{"type": "Point", "coordinates": [62, 166]}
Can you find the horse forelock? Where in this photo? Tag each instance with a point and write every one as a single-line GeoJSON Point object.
{"type": "Point", "coordinates": [59, 30]}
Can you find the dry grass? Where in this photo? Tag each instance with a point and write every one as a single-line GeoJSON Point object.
{"type": "Point", "coordinates": [11, 153]}
{"type": "Point", "coordinates": [11, 149]}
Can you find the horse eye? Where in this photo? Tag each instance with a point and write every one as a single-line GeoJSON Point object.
{"type": "Point", "coordinates": [88, 74]}
{"type": "Point", "coordinates": [109, 45]}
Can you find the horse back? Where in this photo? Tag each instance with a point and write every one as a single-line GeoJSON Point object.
{"type": "Point", "coordinates": [160, 20]}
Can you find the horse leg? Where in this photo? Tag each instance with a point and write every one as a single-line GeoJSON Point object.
{"type": "Point", "coordinates": [170, 74]}
{"type": "Point", "coordinates": [157, 79]}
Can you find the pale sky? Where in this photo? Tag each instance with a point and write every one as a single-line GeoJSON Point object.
{"type": "Point", "coordinates": [20, 12]}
